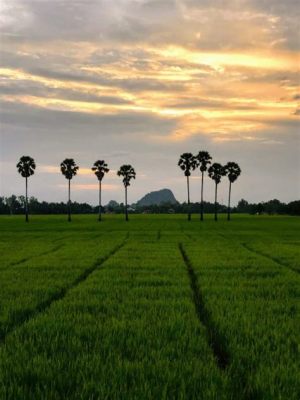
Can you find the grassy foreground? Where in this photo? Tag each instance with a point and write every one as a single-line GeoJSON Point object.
{"type": "Point", "coordinates": [156, 308]}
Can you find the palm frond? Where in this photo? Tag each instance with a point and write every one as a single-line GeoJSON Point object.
{"type": "Point", "coordinates": [69, 168]}
{"type": "Point", "coordinates": [26, 166]}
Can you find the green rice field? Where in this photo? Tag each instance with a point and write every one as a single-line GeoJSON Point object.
{"type": "Point", "coordinates": [154, 308]}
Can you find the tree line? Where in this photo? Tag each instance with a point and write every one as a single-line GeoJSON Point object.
{"type": "Point", "coordinates": [189, 163]}
{"type": "Point", "coordinates": [16, 205]}
{"type": "Point", "coordinates": [26, 167]}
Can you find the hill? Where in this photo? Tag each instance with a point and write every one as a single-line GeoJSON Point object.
{"type": "Point", "coordinates": [157, 197]}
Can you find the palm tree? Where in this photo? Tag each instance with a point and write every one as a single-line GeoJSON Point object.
{"type": "Point", "coordinates": [100, 169]}
{"type": "Point", "coordinates": [203, 158]}
{"type": "Point", "coordinates": [26, 167]}
{"type": "Point", "coordinates": [215, 172]}
{"type": "Point", "coordinates": [69, 169]}
{"type": "Point", "coordinates": [128, 173]}
{"type": "Point", "coordinates": [188, 163]}
{"type": "Point", "coordinates": [233, 171]}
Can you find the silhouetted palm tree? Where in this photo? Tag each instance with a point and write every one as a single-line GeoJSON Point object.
{"type": "Point", "coordinates": [69, 169]}
{"type": "Point", "coordinates": [26, 167]}
{"type": "Point", "coordinates": [100, 169]}
{"type": "Point", "coordinates": [233, 171]}
{"type": "Point", "coordinates": [188, 163]}
{"type": "Point", "coordinates": [215, 172]}
{"type": "Point", "coordinates": [203, 158]}
{"type": "Point", "coordinates": [128, 173]}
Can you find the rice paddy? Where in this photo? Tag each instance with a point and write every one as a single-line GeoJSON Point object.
{"type": "Point", "coordinates": [155, 308]}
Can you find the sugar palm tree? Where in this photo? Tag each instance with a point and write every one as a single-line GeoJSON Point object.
{"type": "Point", "coordinates": [69, 169]}
{"type": "Point", "coordinates": [128, 173]}
{"type": "Point", "coordinates": [203, 158]}
{"type": "Point", "coordinates": [233, 171]}
{"type": "Point", "coordinates": [215, 172]}
{"type": "Point", "coordinates": [187, 162]}
{"type": "Point", "coordinates": [26, 167]}
{"type": "Point", "coordinates": [100, 169]}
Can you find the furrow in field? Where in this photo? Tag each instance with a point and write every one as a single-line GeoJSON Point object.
{"type": "Point", "coordinates": [217, 343]}
{"type": "Point", "coordinates": [158, 234]}
{"type": "Point", "coordinates": [56, 248]}
{"type": "Point", "coordinates": [190, 237]}
{"type": "Point", "coordinates": [254, 303]}
{"type": "Point", "coordinates": [59, 239]}
{"type": "Point", "coordinates": [29, 248]}
{"type": "Point", "coordinates": [58, 295]}
{"type": "Point", "coordinates": [274, 259]}
{"type": "Point", "coordinates": [129, 331]}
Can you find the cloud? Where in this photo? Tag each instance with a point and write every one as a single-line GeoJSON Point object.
{"type": "Point", "coordinates": [141, 81]}
{"type": "Point", "coordinates": [55, 169]}
{"type": "Point", "coordinates": [92, 186]}
{"type": "Point", "coordinates": [20, 114]}
{"type": "Point", "coordinates": [37, 90]}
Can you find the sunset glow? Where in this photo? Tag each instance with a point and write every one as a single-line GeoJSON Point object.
{"type": "Point", "coordinates": [160, 72]}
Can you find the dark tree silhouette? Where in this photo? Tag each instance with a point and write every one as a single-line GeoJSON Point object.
{"type": "Point", "coordinates": [69, 169]}
{"type": "Point", "coordinates": [215, 172]}
{"type": "Point", "coordinates": [233, 171]}
{"type": "Point", "coordinates": [100, 169]}
{"type": "Point", "coordinates": [26, 167]}
{"type": "Point", "coordinates": [128, 173]}
{"type": "Point", "coordinates": [203, 158]}
{"type": "Point", "coordinates": [188, 163]}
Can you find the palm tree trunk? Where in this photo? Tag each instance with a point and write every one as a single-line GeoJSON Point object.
{"type": "Point", "coordinates": [100, 215]}
{"type": "Point", "coordinates": [69, 202]}
{"type": "Point", "coordinates": [216, 207]}
{"type": "Point", "coordinates": [126, 209]}
{"type": "Point", "coordinates": [229, 195]}
{"type": "Point", "coordinates": [26, 199]}
{"type": "Point", "coordinates": [201, 217]}
{"type": "Point", "coordinates": [188, 191]}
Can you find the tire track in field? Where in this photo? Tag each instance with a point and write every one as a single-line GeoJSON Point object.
{"type": "Point", "coordinates": [274, 259]}
{"type": "Point", "coordinates": [190, 237]}
{"type": "Point", "coordinates": [158, 235]}
{"type": "Point", "coordinates": [30, 258]}
{"type": "Point", "coordinates": [262, 254]}
{"type": "Point", "coordinates": [237, 379]}
{"type": "Point", "coordinates": [216, 342]}
{"type": "Point", "coordinates": [59, 295]}
{"type": "Point", "coordinates": [61, 238]}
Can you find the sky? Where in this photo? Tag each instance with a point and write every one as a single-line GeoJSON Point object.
{"type": "Point", "coordinates": [141, 81]}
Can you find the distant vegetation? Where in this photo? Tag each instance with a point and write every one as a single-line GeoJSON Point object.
{"type": "Point", "coordinates": [100, 168]}
{"type": "Point", "coordinates": [168, 204]}
{"type": "Point", "coordinates": [26, 167]}
{"type": "Point", "coordinates": [188, 163]}
{"type": "Point", "coordinates": [69, 169]}
{"type": "Point", "coordinates": [127, 172]}
{"type": "Point", "coordinates": [16, 204]}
